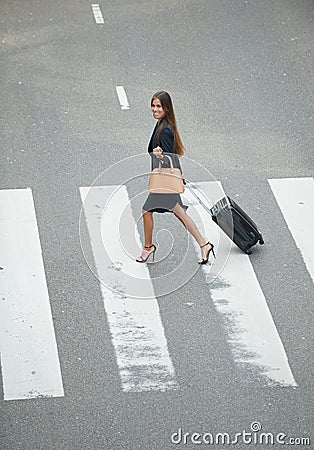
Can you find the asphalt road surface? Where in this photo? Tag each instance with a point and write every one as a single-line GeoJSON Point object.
{"type": "Point", "coordinates": [97, 351]}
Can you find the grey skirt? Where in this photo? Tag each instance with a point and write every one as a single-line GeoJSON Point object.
{"type": "Point", "coordinates": [162, 203]}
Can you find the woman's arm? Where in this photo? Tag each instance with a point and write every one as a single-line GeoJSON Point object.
{"type": "Point", "coordinates": [166, 143]}
{"type": "Point", "coordinates": [166, 140]}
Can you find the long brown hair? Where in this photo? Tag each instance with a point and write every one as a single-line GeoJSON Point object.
{"type": "Point", "coordinates": [167, 106]}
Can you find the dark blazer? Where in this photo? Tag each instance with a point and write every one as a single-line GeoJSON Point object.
{"type": "Point", "coordinates": [166, 142]}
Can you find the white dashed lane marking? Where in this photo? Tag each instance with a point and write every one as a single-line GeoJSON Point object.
{"type": "Point", "coordinates": [123, 100]}
{"type": "Point", "coordinates": [97, 13]}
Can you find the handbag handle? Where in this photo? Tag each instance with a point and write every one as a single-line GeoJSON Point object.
{"type": "Point", "coordinates": [171, 164]}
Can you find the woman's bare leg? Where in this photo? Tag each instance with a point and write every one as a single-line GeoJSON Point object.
{"type": "Point", "coordinates": [178, 217]}
{"type": "Point", "coordinates": [190, 225]}
{"type": "Point", "coordinates": [148, 227]}
{"type": "Point", "coordinates": [148, 233]}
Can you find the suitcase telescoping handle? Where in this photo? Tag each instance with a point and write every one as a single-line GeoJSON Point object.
{"type": "Point", "coordinates": [190, 186]}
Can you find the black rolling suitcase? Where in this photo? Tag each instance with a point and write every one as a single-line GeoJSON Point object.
{"type": "Point", "coordinates": [237, 225]}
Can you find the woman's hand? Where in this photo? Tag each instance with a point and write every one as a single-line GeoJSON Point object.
{"type": "Point", "coordinates": [158, 152]}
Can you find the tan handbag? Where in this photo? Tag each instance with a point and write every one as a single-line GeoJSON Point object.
{"type": "Point", "coordinates": [166, 180]}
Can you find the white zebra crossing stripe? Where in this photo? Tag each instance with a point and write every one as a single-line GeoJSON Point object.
{"type": "Point", "coordinates": [295, 197]}
{"type": "Point", "coordinates": [137, 332]}
{"type": "Point", "coordinates": [29, 356]}
{"type": "Point", "coordinates": [238, 297]}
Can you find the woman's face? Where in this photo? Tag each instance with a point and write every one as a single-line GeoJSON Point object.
{"type": "Point", "coordinates": [157, 109]}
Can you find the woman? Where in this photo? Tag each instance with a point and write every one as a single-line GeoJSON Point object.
{"type": "Point", "coordinates": [166, 140]}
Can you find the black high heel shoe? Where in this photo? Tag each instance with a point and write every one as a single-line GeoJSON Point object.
{"type": "Point", "coordinates": [140, 259]}
{"type": "Point", "coordinates": [205, 260]}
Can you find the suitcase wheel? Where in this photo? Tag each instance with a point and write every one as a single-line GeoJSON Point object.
{"type": "Point", "coordinates": [248, 252]}
{"type": "Point", "coordinates": [261, 240]}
